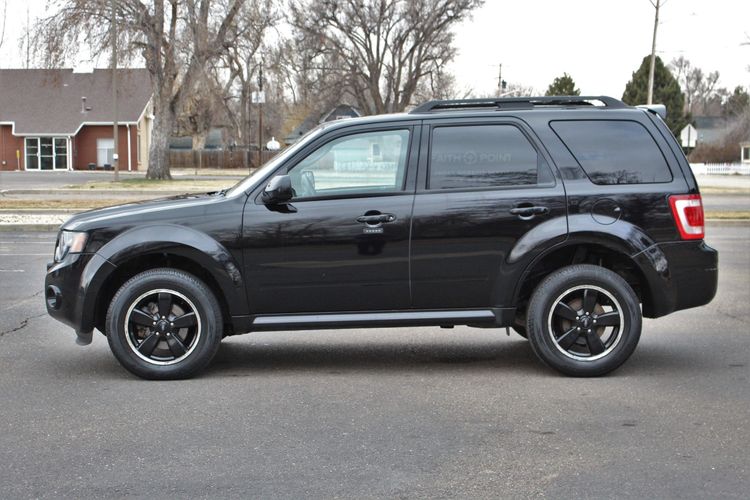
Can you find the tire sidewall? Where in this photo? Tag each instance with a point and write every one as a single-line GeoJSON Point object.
{"type": "Point", "coordinates": [189, 286]}
{"type": "Point", "coordinates": [543, 300]}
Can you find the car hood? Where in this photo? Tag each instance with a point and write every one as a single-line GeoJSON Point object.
{"type": "Point", "coordinates": [172, 209]}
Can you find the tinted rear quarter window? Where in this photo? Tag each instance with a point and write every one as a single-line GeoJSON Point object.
{"type": "Point", "coordinates": [484, 156]}
{"type": "Point", "coordinates": [614, 151]}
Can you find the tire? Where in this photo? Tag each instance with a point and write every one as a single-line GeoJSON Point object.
{"type": "Point", "coordinates": [164, 324]}
{"type": "Point", "coordinates": [584, 320]}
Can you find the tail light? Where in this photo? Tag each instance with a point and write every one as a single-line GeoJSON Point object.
{"type": "Point", "coordinates": [687, 210]}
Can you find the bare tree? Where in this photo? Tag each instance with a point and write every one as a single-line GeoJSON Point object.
{"type": "Point", "coordinates": [383, 49]}
{"type": "Point", "coordinates": [701, 89]}
{"type": "Point", "coordinates": [240, 62]}
{"type": "Point", "coordinates": [176, 38]}
{"type": "Point", "coordinates": [2, 28]}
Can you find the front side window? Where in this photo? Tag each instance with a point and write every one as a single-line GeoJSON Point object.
{"type": "Point", "coordinates": [484, 156]}
{"type": "Point", "coordinates": [614, 151]}
{"type": "Point", "coordinates": [364, 163]}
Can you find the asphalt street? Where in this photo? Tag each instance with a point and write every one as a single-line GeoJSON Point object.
{"type": "Point", "coordinates": [411, 413]}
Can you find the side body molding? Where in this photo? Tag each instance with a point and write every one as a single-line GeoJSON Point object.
{"type": "Point", "coordinates": [183, 241]}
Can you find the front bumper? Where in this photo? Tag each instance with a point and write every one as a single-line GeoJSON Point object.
{"type": "Point", "coordinates": [71, 289]}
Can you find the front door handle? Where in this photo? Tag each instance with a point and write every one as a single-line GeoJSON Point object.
{"type": "Point", "coordinates": [529, 212]}
{"type": "Point", "coordinates": [376, 218]}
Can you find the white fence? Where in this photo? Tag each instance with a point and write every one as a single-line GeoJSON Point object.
{"type": "Point", "coordinates": [721, 168]}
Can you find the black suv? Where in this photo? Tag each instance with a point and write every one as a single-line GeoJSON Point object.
{"type": "Point", "coordinates": [565, 218]}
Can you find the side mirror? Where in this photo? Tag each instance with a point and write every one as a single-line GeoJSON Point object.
{"type": "Point", "coordinates": [279, 190]}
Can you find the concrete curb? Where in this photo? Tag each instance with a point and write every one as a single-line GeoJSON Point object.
{"type": "Point", "coordinates": [95, 192]}
{"type": "Point", "coordinates": [29, 228]}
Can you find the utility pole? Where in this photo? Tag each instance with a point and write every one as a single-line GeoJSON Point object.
{"type": "Point", "coordinates": [261, 98]}
{"type": "Point", "coordinates": [650, 98]}
{"type": "Point", "coordinates": [115, 155]}
{"type": "Point", "coordinates": [501, 84]}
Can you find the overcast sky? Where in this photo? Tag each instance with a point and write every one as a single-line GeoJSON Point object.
{"type": "Point", "coordinates": [598, 42]}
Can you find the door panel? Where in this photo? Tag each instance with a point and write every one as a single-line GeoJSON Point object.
{"type": "Point", "coordinates": [320, 258]}
{"type": "Point", "coordinates": [461, 243]}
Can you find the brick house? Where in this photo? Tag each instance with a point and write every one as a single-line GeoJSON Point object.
{"type": "Point", "coordinates": [62, 120]}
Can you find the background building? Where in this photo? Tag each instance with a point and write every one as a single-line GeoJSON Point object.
{"type": "Point", "coordinates": [62, 120]}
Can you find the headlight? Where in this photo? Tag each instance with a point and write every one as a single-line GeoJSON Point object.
{"type": "Point", "coordinates": [69, 242]}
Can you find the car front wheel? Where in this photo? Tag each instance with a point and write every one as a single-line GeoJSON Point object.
{"type": "Point", "coordinates": [584, 320]}
{"type": "Point", "coordinates": [164, 324]}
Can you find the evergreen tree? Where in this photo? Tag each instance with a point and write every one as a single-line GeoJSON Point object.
{"type": "Point", "coordinates": [737, 103]}
{"type": "Point", "coordinates": [666, 91]}
{"type": "Point", "coordinates": [563, 85]}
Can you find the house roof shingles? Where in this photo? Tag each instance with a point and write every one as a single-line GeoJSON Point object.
{"type": "Point", "coordinates": [48, 101]}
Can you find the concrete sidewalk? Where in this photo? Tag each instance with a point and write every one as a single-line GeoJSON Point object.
{"type": "Point", "coordinates": [724, 181]}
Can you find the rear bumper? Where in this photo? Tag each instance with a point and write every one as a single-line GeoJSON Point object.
{"type": "Point", "coordinates": [686, 274]}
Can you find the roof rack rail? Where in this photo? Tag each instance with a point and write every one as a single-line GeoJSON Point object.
{"type": "Point", "coordinates": [518, 103]}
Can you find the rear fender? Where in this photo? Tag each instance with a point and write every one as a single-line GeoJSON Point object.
{"type": "Point", "coordinates": [619, 237]}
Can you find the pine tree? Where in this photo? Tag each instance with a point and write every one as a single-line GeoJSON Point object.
{"type": "Point", "coordinates": [666, 91]}
{"type": "Point", "coordinates": [737, 103]}
{"type": "Point", "coordinates": [563, 85]}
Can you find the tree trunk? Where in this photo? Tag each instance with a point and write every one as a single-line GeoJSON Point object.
{"type": "Point", "coordinates": [199, 139]}
{"type": "Point", "coordinates": [158, 165]}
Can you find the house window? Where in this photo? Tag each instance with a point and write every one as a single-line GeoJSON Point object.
{"type": "Point", "coordinates": [746, 153]}
{"type": "Point", "coordinates": [46, 153]}
{"type": "Point", "coordinates": [105, 149]}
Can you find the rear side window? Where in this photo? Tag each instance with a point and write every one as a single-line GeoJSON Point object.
{"type": "Point", "coordinates": [483, 156]}
{"type": "Point", "coordinates": [614, 151]}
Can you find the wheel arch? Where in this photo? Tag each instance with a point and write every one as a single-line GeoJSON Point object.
{"type": "Point", "coordinates": [147, 248]}
{"type": "Point", "coordinates": [632, 258]}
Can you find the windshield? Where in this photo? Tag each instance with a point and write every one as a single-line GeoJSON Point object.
{"type": "Point", "coordinates": [249, 182]}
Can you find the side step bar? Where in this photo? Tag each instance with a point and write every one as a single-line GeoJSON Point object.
{"type": "Point", "coordinates": [494, 317]}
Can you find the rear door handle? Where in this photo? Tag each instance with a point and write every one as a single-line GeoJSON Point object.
{"type": "Point", "coordinates": [529, 211]}
{"type": "Point", "coordinates": [376, 219]}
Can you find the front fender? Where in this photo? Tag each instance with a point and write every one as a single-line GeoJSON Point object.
{"type": "Point", "coordinates": [167, 239]}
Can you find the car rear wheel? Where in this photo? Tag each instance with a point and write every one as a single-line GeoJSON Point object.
{"type": "Point", "coordinates": [164, 324]}
{"type": "Point", "coordinates": [584, 320]}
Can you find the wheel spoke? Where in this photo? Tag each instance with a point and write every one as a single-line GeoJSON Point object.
{"type": "Point", "coordinates": [184, 321]}
{"type": "Point", "coordinates": [176, 346]}
{"type": "Point", "coordinates": [589, 300]}
{"type": "Point", "coordinates": [165, 304]}
{"type": "Point", "coordinates": [596, 346]}
{"type": "Point", "coordinates": [608, 319]}
{"type": "Point", "coordinates": [567, 339]}
{"type": "Point", "coordinates": [567, 312]}
{"type": "Point", "coordinates": [141, 318]}
{"type": "Point", "coordinates": [149, 344]}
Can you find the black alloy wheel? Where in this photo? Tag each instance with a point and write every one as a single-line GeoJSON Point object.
{"type": "Point", "coordinates": [584, 320]}
{"type": "Point", "coordinates": [164, 324]}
